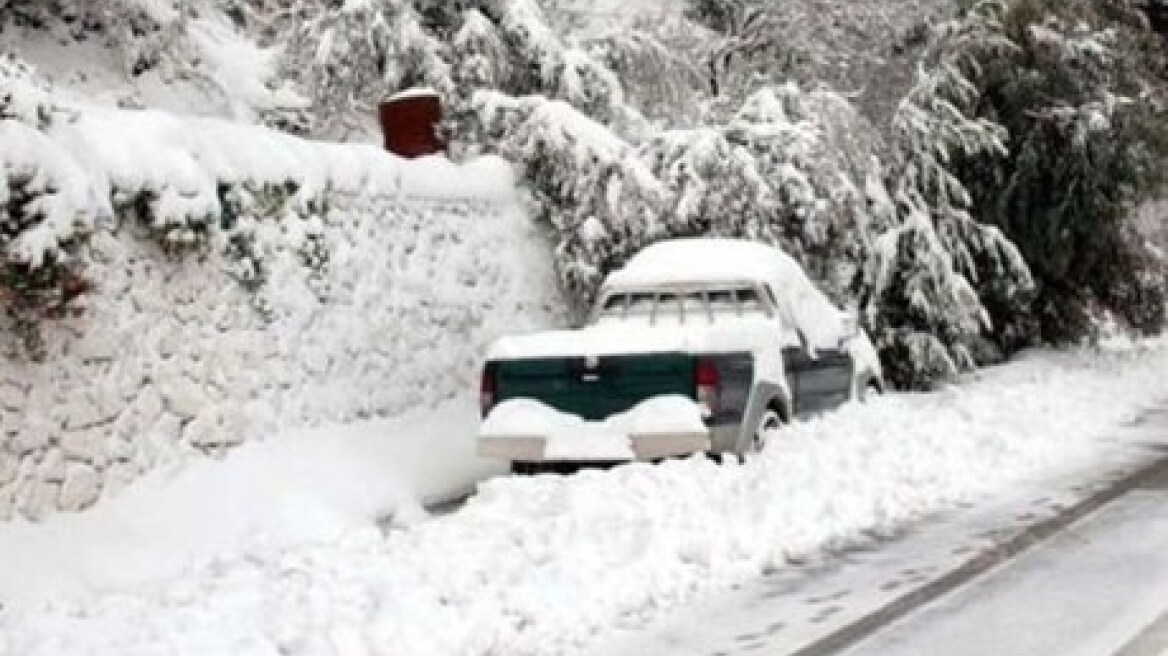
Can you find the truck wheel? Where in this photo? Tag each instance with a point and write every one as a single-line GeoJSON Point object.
{"type": "Point", "coordinates": [870, 390]}
{"type": "Point", "coordinates": [770, 421]}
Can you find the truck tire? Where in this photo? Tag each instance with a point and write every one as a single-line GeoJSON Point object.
{"type": "Point", "coordinates": [770, 421]}
{"type": "Point", "coordinates": [519, 468]}
{"type": "Point", "coordinates": [870, 390]}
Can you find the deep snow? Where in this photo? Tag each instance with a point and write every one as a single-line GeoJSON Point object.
{"type": "Point", "coordinates": [570, 438]}
{"type": "Point", "coordinates": [544, 564]}
{"type": "Point", "coordinates": [730, 261]}
{"type": "Point", "coordinates": [789, 610]}
{"type": "Point", "coordinates": [310, 485]}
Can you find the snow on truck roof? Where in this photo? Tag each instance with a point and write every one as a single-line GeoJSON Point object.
{"type": "Point", "coordinates": [701, 260]}
{"type": "Point", "coordinates": [709, 260]}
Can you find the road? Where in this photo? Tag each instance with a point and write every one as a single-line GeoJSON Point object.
{"type": "Point", "coordinates": [1098, 588]}
{"type": "Point", "coordinates": [1076, 565]}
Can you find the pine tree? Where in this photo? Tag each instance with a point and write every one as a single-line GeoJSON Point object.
{"type": "Point", "coordinates": [602, 202]}
{"type": "Point", "coordinates": [1083, 97]}
{"type": "Point", "coordinates": [935, 276]}
{"type": "Point", "coordinates": [351, 54]}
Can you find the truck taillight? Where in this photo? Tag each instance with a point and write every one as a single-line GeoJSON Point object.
{"type": "Point", "coordinates": [706, 384]}
{"type": "Point", "coordinates": [488, 389]}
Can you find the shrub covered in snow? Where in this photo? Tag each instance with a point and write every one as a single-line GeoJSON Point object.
{"type": "Point", "coordinates": [43, 211]}
{"type": "Point", "coordinates": [161, 50]}
{"type": "Point", "coordinates": [935, 277]}
{"type": "Point", "coordinates": [145, 33]}
{"type": "Point", "coordinates": [1082, 95]}
{"type": "Point", "coordinates": [351, 54]}
{"type": "Point", "coordinates": [66, 170]}
{"type": "Point", "coordinates": [191, 185]}
{"type": "Point", "coordinates": [905, 198]}
{"type": "Point", "coordinates": [789, 168]}
{"type": "Point", "coordinates": [864, 47]}
{"type": "Point", "coordinates": [589, 184]}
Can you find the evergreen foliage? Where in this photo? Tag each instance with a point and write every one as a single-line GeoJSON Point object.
{"type": "Point", "coordinates": [1082, 96]}
{"type": "Point", "coordinates": [350, 54]}
{"type": "Point", "coordinates": [972, 201]}
{"type": "Point", "coordinates": [42, 216]}
{"type": "Point", "coordinates": [937, 276]}
{"type": "Point", "coordinates": [887, 218]}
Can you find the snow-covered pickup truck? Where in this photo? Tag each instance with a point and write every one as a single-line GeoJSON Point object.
{"type": "Point", "coordinates": [695, 345]}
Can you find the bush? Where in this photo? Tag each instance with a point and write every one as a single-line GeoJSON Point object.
{"type": "Point", "coordinates": [1082, 97]}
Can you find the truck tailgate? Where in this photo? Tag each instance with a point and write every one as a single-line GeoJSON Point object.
{"type": "Point", "coordinates": [598, 387]}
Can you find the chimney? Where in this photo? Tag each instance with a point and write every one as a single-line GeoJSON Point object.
{"type": "Point", "coordinates": [409, 123]}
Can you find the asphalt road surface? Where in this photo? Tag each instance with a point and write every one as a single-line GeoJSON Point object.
{"type": "Point", "coordinates": [1098, 588]}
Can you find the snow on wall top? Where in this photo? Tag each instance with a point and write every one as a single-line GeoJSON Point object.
{"type": "Point", "coordinates": [194, 153]}
{"type": "Point", "coordinates": [93, 155]}
{"type": "Point", "coordinates": [413, 92]}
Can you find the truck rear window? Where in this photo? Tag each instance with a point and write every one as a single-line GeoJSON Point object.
{"type": "Point", "coordinates": [683, 305]}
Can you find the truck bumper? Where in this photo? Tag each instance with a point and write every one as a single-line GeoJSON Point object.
{"type": "Point", "coordinates": [724, 438]}
{"type": "Point", "coordinates": [647, 446]}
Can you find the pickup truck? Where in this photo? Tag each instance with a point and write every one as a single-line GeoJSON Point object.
{"type": "Point", "coordinates": [695, 345]}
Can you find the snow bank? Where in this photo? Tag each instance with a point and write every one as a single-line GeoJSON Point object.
{"type": "Point", "coordinates": [541, 565]}
{"type": "Point", "coordinates": [307, 486]}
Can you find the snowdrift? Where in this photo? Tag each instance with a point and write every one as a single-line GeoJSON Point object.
{"type": "Point", "coordinates": [542, 565]}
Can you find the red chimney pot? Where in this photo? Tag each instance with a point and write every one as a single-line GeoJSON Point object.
{"type": "Point", "coordinates": [409, 123]}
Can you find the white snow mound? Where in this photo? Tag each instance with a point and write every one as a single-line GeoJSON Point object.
{"type": "Point", "coordinates": [543, 564]}
{"type": "Point", "coordinates": [571, 438]}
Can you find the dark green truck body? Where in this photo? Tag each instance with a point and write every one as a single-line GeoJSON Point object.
{"type": "Point", "coordinates": [595, 388]}
{"type": "Point", "coordinates": [614, 384]}
{"type": "Point", "coordinates": [737, 405]}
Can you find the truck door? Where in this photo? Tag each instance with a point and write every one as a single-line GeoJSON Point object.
{"type": "Point", "coordinates": [818, 381]}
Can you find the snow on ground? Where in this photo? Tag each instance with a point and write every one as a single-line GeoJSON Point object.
{"type": "Point", "coordinates": [793, 609]}
{"type": "Point", "coordinates": [311, 485]}
{"type": "Point", "coordinates": [544, 564]}
{"type": "Point", "coordinates": [570, 438]}
{"type": "Point", "coordinates": [210, 69]}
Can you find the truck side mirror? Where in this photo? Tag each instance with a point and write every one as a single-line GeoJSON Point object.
{"type": "Point", "coordinates": [850, 324]}
{"type": "Point", "coordinates": [849, 328]}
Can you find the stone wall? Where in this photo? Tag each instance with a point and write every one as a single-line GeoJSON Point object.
{"type": "Point", "coordinates": [173, 355]}
{"type": "Point", "coordinates": [1152, 220]}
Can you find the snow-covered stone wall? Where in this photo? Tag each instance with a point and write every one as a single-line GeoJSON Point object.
{"type": "Point", "coordinates": [1150, 220]}
{"type": "Point", "coordinates": [173, 355]}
